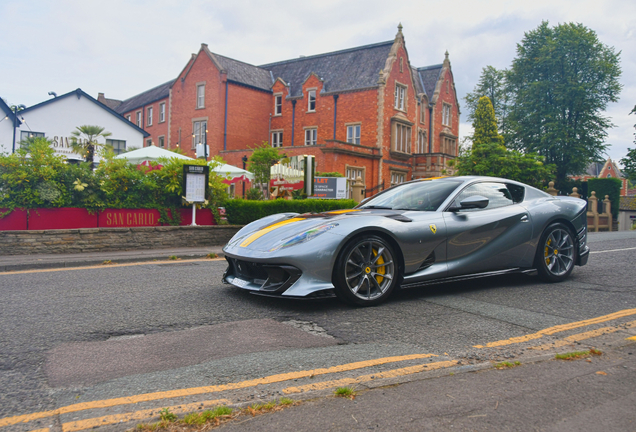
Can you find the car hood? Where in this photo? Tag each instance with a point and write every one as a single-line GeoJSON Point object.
{"type": "Point", "coordinates": [285, 230]}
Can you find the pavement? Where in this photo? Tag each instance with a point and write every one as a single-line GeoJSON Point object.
{"type": "Point", "coordinates": [49, 261]}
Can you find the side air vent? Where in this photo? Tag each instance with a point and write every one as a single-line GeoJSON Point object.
{"type": "Point", "coordinates": [429, 261]}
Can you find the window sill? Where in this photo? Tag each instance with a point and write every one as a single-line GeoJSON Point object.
{"type": "Point", "coordinates": [277, 115]}
{"type": "Point", "coordinates": [400, 155]}
{"type": "Point", "coordinates": [309, 112]}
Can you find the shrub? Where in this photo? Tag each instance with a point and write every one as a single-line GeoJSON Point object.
{"type": "Point", "coordinates": [241, 212]}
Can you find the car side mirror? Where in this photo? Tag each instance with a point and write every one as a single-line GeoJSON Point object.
{"type": "Point", "coordinates": [475, 201]}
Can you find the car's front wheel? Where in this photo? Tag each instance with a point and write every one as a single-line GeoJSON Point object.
{"type": "Point", "coordinates": [555, 254]}
{"type": "Point", "coordinates": [366, 271]}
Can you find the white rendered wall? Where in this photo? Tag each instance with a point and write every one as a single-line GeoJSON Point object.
{"type": "Point", "coordinates": [59, 118]}
{"type": "Point", "coordinates": [6, 135]}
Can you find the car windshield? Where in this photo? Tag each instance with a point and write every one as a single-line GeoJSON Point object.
{"type": "Point", "coordinates": [426, 195]}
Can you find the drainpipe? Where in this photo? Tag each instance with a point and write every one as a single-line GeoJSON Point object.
{"type": "Point", "coordinates": [335, 114]}
{"type": "Point", "coordinates": [293, 119]}
{"type": "Point", "coordinates": [430, 130]}
{"type": "Point", "coordinates": [225, 127]}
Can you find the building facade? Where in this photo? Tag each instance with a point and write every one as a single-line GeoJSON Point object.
{"type": "Point", "coordinates": [58, 117]}
{"type": "Point", "coordinates": [607, 169]}
{"type": "Point", "coordinates": [363, 112]}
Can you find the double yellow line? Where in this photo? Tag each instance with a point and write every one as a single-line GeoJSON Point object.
{"type": "Point", "coordinates": [272, 379]}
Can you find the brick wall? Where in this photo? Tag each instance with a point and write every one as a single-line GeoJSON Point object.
{"type": "Point", "coordinates": [157, 128]}
{"type": "Point", "coordinates": [113, 239]}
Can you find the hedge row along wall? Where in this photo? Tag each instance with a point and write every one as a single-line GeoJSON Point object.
{"type": "Point", "coordinates": [75, 218]}
{"type": "Point", "coordinates": [242, 212]}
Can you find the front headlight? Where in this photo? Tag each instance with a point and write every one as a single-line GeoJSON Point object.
{"type": "Point", "coordinates": [303, 237]}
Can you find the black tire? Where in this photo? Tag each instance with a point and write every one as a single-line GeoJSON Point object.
{"type": "Point", "coordinates": [366, 271]}
{"type": "Point", "coordinates": [556, 253]}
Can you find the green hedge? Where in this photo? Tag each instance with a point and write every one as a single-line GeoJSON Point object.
{"type": "Point", "coordinates": [606, 186]}
{"type": "Point", "coordinates": [242, 212]}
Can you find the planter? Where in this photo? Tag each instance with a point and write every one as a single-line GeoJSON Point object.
{"type": "Point", "coordinates": [61, 218]}
{"type": "Point", "coordinates": [116, 218]}
{"type": "Point", "coordinates": [16, 220]}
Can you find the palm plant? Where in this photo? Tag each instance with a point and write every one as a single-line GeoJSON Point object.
{"type": "Point", "coordinates": [85, 141]}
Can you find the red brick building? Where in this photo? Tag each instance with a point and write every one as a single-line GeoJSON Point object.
{"type": "Point", "coordinates": [608, 169]}
{"type": "Point", "coordinates": [364, 111]}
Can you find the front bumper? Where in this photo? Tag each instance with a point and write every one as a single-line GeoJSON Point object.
{"type": "Point", "coordinates": [268, 278]}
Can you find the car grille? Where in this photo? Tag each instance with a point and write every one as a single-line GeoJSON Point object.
{"type": "Point", "coordinates": [270, 277]}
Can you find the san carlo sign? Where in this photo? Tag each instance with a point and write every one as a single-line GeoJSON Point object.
{"type": "Point", "coordinates": [64, 145]}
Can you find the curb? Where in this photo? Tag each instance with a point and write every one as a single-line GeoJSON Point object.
{"type": "Point", "coordinates": [93, 262]}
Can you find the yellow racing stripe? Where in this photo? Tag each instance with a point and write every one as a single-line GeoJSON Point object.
{"type": "Point", "coordinates": [262, 232]}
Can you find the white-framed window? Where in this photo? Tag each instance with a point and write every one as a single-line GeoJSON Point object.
{"type": "Point", "coordinates": [397, 177]}
{"type": "Point", "coordinates": [200, 95]}
{"type": "Point", "coordinates": [311, 100]}
{"type": "Point", "coordinates": [138, 118]}
{"type": "Point", "coordinates": [119, 146]}
{"type": "Point", "coordinates": [128, 118]}
{"type": "Point", "coordinates": [148, 142]}
{"type": "Point", "coordinates": [162, 141]}
{"type": "Point", "coordinates": [352, 173]}
{"type": "Point", "coordinates": [400, 96]}
{"type": "Point", "coordinates": [162, 112]}
{"type": "Point", "coordinates": [278, 104]}
{"type": "Point", "coordinates": [277, 139]}
{"type": "Point", "coordinates": [149, 116]}
{"type": "Point", "coordinates": [353, 134]}
{"type": "Point", "coordinates": [401, 138]}
{"type": "Point", "coordinates": [311, 136]}
{"type": "Point", "coordinates": [198, 132]}
{"type": "Point", "coordinates": [25, 135]}
{"type": "Point", "coordinates": [421, 142]}
{"type": "Point", "coordinates": [449, 146]}
{"type": "Point", "coordinates": [446, 115]}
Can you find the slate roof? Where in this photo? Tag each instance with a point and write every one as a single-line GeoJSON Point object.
{"type": "Point", "coordinates": [154, 94]}
{"type": "Point", "coordinates": [6, 109]}
{"type": "Point", "coordinates": [627, 203]}
{"type": "Point", "coordinates": [81, 93]}
{"type": "Point", "coordinates": [111, 103]}
{"type": "Point", "coordinates": [349, 69]}
{"type": "Point", "coordinates": [428, 77]}
{"type": "Point", "coordinates": [245, 73]}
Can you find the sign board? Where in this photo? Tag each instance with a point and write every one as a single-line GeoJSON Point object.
{"type": "Point", "coordinates": [330, 187]}
{"type": "Point", "coordinates": [195, 182]}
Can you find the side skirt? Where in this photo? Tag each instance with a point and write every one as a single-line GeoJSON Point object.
{"type": "Point", "coordinates": [470, 276]}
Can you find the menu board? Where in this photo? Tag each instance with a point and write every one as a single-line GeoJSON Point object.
{"type": "Point", "coordinates": [195, 187]}
{"type": "Point", "coordinates": [195, 181]}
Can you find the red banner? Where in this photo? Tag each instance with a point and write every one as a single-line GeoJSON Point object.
{"type": "Point", "coordinates": [203, 217]}
{"type": "Point", "coordinates": [16, 220]}
{"type": "Point", "coordinates": [61, 218]}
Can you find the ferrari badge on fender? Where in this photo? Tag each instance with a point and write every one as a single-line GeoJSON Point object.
{"type": "Point", "coordinates": [433, 228]}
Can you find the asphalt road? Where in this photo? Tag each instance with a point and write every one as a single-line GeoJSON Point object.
{"type": "Point", "coordinates": [92, 334]}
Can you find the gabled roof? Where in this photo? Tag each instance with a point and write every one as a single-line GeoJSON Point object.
{"type": "Point", "coordinates": [149, 96]}
{"type": "Point", "coordinates": [79, 93]}
{"type": "Point", "coordinates": [6, 109]}
{"type": "Point", "coordinates": [428, 77]}
{"type": "Point", "coordinates": [111, 103]}
{"type": "Point", "coordinates": [244, 73]}
{"type": "Point", "coordinates": [350, 69]}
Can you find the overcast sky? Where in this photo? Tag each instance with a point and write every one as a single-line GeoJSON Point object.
{"type": "Point", "coordinates": [124, 47]}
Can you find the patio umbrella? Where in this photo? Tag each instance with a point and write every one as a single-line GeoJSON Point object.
{"type": "Point", "coordinates": [233, 174]}
{"type": "Point", "coordinates": [151, 153]}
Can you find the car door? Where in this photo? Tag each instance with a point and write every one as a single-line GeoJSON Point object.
{"type": "Point", "coordinates": [487, 239]}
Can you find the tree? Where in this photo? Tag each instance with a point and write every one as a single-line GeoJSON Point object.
{"type": "Point", "coordinates": [261, 161]}
{"type": "Point", "coordinates": [489, 157]}
{"type": "Point", "coordinates": [492, 83]}
{"type": "Point", "coordinates": [562, 80]}
{"type": "Point", "coordinates": [629, 161]}
{"type": "Point", "coordinates": [484, 124]}
{"type": "Point", "coordinates": [85, 141]}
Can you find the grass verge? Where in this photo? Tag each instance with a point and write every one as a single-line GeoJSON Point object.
{"type": "Point", "coordinates": [208, 419]}
{"type": "Point", "coordinates": [578, 354]}
{"type": "Point", "coordinates": [346, 392]}
{"type": "Point", "coordinates": [507, 365]}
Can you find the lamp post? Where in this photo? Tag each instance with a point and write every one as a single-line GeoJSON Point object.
{"type": "Point", "coordinates": [244, 159]}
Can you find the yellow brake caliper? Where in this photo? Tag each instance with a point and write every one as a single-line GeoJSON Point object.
{"type": "Point", "coordinates": [381, 270]}
{"type": "Point", "coordinates": [547, 255]}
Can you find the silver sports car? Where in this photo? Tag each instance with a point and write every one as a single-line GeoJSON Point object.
{"type": "Point", "coordinates": [413, 234]}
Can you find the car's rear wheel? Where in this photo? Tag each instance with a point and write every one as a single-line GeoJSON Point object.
{"type": "Point", "coordinates": [366, 271]}
{"type": "Point", "coordinates": [555, 254]}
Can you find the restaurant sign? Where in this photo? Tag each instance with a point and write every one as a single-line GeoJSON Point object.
{"type": "Point", "coordinates": [115, 218]}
